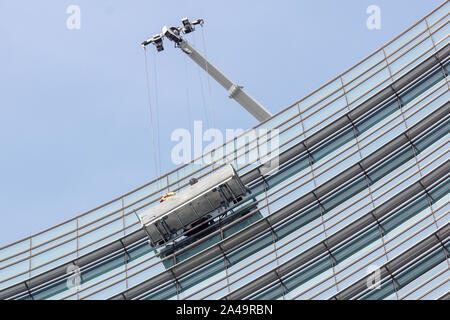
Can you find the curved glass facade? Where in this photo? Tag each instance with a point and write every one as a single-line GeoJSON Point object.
{"type": "Point", "coordinates": [362, 185]}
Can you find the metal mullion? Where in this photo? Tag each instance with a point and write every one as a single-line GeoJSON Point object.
{"type": "Point", "coordinates": [370, 69]}
{"type": "Point", "coordinates": [352, 68]}
{"type": "Point", "coordinates": [368, 90]}
{"type": "Point", "coordinates": [380, 228]}
{"type": "Point", "coordinates": [394, 281]}
{"type": "Point", "coordinates": [249, 272]}
{"type": "Point", "coordinates": [283, 289]}
{"type": "Point", "coordinates": [415, 37]}
{"type": "Point", "coordinates": [301, 121]}
{"type": "Point", "coordinates": [124, 234]}
{"type": "Point", "coordinates": [77, 287]}
{"type": "Point", "coordinates": [392, 78]}
{"type": "Point", "coordinates": [225, 260]}
{"type": "Point", "coordinates": [420, 220]}
{"type": "Point", "coordinates": [277, 281]}
{"type": "Point", "coordinates": [420, 285]}
{"type": "Point", "coordinates": [321, 100]}
{"type": "Point", "coordinates": [294, 271]}
{"type": "Point", "coordinates": [320, 208]}
{"type": "Point", "coordinates": [100, 289]}
{"type": "Point", "coordinates": [444, 249]}
{"type": "Point", "coordinates": [78, 241]}
{"type": "Point", "coordinates": [249, 263]}
{"type": "Point", "coordinates": [210, 285]}
{"type": "Point", "coordinates": [392, 120]}
{"type": "Point", "coordinates": [404, 267]}
{"type": "Point", "coordinates": [373, 139]}
{"type": "Point", "coordinates": [396, 246]}
{"type": "Point", "coordinates": [29, 292]}
{"type": "Point", "coordinates": [434, 44]}
{"type": "Point", "coordinates": [377, 64]}
{"type": "Point", "coordinates": [327, 278]}
{"type": "Point", "coordinates": [345, 94]}
{"type": "Point", "coordinates": [400, 70]}
{"type": "Point", "coordinates": [365, 255]}
{"type": "Point", "coordinates": [379, 187]}
{"type": "Point", "coordinates": [297, 270]}
{"type": "Point", "coordinates": [274, 235]}
{"type": "Point", "coordinates": [178, 286]}
{"type": "Point", "coordinates": [126, 254]}
{"type": "Point", "coordinates": [379, 256]}
{"type": "Point", "coordinates": [277, 126]}
{"type": "Point", "coordinates": [400, 103]}
{"type": "Point", "coordinates": [272, 260]}
{"type": "Point", "coordinates": [333, 264]}
{"type": "Point", "coordinates": [423, 98]}
{"type": "Point", "coordinates": [430, 203]}
{"type": "Point", "coordinates": [363, 80]}
{"type": "Point", "coordinates": [432, 40]}
{"type": "Point", "coordinates": [403, 46]}
{"type": "Point", "coordinates": [234, 272]}
{"type": "Point", "coordinates": [434, 287]}
{"type": "Point", "coordinates": [87, 266]}
{"type": "Point", "coordinates": [413, 60]}
{"type": "Point", "coordinates": [29, 263]}
{"type": "Point", "coordinates": [226, 277]}
{"type": "Point", "coordinates": [341, 108]}
{"type": "Point", "coordinates": [231, 224]}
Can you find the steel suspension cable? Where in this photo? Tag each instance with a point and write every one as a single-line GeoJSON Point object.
{"type": "Point", "coordinates": [158, 141]}
{"type": "Point", "coordinates": [151, 113]}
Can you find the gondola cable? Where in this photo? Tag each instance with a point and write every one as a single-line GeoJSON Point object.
{"type": "Point", "coordinates": [157, 115]}
{"type": "Point", "coordinates": [151, 113]}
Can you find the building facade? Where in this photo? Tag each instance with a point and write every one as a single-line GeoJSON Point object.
{"type": "Point", "coordinates": [356, 207]}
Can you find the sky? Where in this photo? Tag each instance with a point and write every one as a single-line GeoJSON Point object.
{"type": "Point", "coordinates": [75, 129]}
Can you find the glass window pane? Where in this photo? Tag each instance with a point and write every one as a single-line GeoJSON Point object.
{"type": "Point", "coordinates": [272, 293]}
{"type": "Point", "coordinates": [17, 250]}
{"type": "Point", "coordinates": [439, 13]}
{"type": "Point", "coordinates": [99, 213]}
{"type": "Point", "coordinates": [440, 34]}
{"type": "Point", "coordinates": [54, 233]}
{"type": "Point", "coordinates": [417, 54]}
{"type": "Point", "coordinates": [318, 96]}
{"type": "Point", "coordinates": [367, 85]}
{"type": "Point", "coordinates": [403, 39]}
{"type": "Point", "coordinates": [362, 68]}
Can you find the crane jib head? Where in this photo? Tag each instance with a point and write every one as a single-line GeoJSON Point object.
{"type": "Point", "coordinates": [172, 33]}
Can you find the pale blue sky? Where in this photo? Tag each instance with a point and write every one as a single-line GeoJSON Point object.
{"type": "Point", "coordinates": [74, 119]}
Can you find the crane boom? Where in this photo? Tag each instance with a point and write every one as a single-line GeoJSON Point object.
{"type": "Point", "coordinates": [235, 91]}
